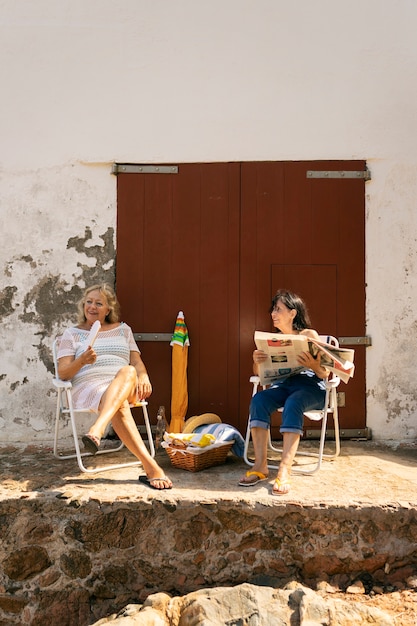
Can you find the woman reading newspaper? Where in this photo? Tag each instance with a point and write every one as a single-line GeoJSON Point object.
{"type": "Point", "coordinates": [303, 391]}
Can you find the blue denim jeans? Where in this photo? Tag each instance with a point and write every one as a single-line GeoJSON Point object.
{"type": "Point", "coordinates": [297, 394]}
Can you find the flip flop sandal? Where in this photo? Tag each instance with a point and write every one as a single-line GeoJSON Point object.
{"type": "Point", "coordinates": [284, 484]}
{"type": "Point", "coordinates": [150, 482]}
{"type": "Point", "coordinates": [91, 443]}
{"type": "Point", "coordinates": [258, 477]}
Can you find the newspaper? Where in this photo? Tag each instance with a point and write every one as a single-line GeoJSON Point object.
{"type": "Point", "coordinates": [282, 351]}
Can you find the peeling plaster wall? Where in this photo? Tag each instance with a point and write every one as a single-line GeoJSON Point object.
{"type": "Point", "coordinates": [392, 299]}
{"type": "Point", "coordinates": [60, 225]}
{"type": "Point", "coordinates": [86, 84]}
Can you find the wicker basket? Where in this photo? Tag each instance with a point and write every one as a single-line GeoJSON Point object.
{"type": "Point", "coordinates": [199, 459]}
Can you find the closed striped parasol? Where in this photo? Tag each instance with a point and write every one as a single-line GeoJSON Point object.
{"type": "Point", "coordinates": [179, 388]}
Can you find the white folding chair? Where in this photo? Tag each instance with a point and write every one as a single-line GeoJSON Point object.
{"type": "Point", "coordinates": [330, 408]}
{"type": "Point", "coordinates": [65, 410]}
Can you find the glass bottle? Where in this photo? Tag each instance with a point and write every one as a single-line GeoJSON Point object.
{"type": "Point", "coordinates": [161, 427]}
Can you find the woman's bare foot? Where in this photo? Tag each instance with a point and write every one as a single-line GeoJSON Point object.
{"type": "Point", "coordinates": [282, 483]}
{"type": "Point", "coordinates": [157, 482]}
{"type": "Point", "coordinates": [253, 476]}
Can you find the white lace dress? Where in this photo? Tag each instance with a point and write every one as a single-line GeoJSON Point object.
{"type": "Point", "coordinates": [113, 349]}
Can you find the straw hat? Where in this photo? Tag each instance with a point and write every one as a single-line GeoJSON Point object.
{"type": "Point", "coordinates": [197, 420]}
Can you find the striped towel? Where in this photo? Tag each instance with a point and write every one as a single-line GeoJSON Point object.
{"type": "Point", "coordinates": [224, 432]}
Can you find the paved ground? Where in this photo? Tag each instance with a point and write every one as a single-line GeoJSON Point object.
{"type": "Point", "coordinates": [365, 474]}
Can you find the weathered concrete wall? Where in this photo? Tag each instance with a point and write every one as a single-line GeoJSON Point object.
{"type": "Point", "coordinates": [68, 561]}
{"type": "Point", "coordinates": [86, 85]}
{"type": "Point", "coordinates": [60, 226]}
{"type": "Point", "coordinates": [391, 270]}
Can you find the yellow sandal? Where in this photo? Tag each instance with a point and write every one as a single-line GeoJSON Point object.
{"type": "Point", "coordinates": [281, 487]}
{"type": "Point", "coordinates": [252, 478]}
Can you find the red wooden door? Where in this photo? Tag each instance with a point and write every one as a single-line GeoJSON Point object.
{"type": "Point", "coordinates": [178, 249]}
{"type": "Point", "coordinates": [216, 241]}
{"type": "Point", "coordinates": [306, 235]}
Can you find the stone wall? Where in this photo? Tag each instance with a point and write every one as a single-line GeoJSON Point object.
{"type": "Point", "coordinates": [69, 562]}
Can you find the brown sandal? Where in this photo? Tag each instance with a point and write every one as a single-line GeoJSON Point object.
{"type": "Point", "coordinates": [91, 443]}
{"type": "Point", "coordinates": [153, 482]}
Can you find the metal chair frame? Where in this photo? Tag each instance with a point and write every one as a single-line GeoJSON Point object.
{"type": "Point", "coordinates": [330, 408]}
{"type": "Point", "coordinates": [65, 410]}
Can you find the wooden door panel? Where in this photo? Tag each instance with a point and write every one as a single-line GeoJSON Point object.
{"type": "Point", "coordinates": [218, 315]}
{"type": "Point", "coordinates": [310, 239]}
{"type": "Point", "coordinates": [216, 241]}
{"type": "Point", "coordinates": [300, 230]}
{"type": "Point", "coordinates": [325, 234]}
{"type": "Point", "coordinates": [185, 231]}
{"type": "Point", "coordinates": [351, 313]}
{"type": "Point", "coordinates": [316, 284]}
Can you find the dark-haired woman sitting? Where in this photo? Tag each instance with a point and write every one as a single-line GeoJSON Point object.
{"type": "Point", "coordinates": [296, 394]}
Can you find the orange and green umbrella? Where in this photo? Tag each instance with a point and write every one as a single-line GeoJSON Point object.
{"type": "Point", "coordinates": [179, 388]}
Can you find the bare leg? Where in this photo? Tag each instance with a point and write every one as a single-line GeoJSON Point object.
{"type": "Point", "coordinates": [114, 408]}
{"type": "Point", "coordinates": [122, 388]}
{"type": "Point", "coordinates": [289, 448]}
{"type": "Point", "coordinates": [260, 447]}
{"type": "Point", "coordinates": [125, 427]}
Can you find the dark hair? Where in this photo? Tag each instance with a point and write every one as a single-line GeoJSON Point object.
{"type": "Point", "coordinates": [292, 301]}
{"type": "Point", "coordinates": [108, 292]}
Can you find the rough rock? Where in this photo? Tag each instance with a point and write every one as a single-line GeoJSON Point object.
{"type": "Point", "coordinates": [77, 548]}
{"type": "Point", "coordinates": [105, 555]}
{"type": "Point", "coordinates": [251, 605]}
{"type": "Point", "coordinates": [357, 587]}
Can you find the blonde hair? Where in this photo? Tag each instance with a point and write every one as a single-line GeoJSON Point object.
{"type": "Point", "coordinates": [112, 302]}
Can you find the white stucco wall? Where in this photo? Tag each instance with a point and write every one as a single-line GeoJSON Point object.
{"type": "Point", "coordinates": [85, 84]}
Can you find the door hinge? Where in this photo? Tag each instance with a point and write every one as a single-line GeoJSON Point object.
{"type": "Point", "coordinates": [355, 341]}
{"type": "Point", "coordinates": [345, 433]}
{"type": "Point", "coordinates": [362, 174]}
{"type": "Point", "coordinates": [130, 168]}
{"type": "Point", "coordinates": [152, 336]}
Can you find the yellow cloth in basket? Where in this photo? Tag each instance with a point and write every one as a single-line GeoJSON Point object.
{"type": "Point", "coordinates": [199, 440]}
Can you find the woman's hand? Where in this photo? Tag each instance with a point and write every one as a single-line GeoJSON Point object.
{"type": "Point", "coordinates": [144, 386]}
{"type": "Point", "coordinates": [259, 356]}
{"type": "Point", "coordinates": [68, 366]}
{"type": "Point", "coordinates": [307, 360]}
{"type": "Point", "coordinates": [88, 357]}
